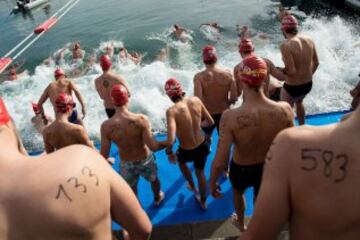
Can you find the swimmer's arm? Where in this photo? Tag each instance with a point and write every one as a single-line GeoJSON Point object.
{"type": "Point", "coordinates": [105, 143]}
{"type": "Point", "coordinates": [78, 96]}
{"type": "Point", "coordinates": [84, 138]}
{"type": "Point", "coordinates": [233, 91]}
{"type": "Point", "coordinates": [315, 61]}
{"type": "Point", "coordinates": [290, 68]}
{"type": "Point", "coordinates": [205, 115]}
{"type": "Point", "coordinates": [198, 91]}
{"type": "Point", "coordinates": [273, 202]}
{"type": "Point", "coordinates": [42, 100]}
{"type": "Point", "coordinates": [126, 209]}
{"type": "Point", "coordinates": [149, 139]}
{"type": "Point", "coordinates": [237, 82]}
{"type": "Point", "coordinates": [222, 152]}
{"type": "Point", "coordinates": [98, 89]}
{"type": "Point", "coordinates": [171, 131]}
{"type": "Point", "coordinates": [276, 72]}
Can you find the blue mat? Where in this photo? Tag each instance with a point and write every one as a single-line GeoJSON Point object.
{"type": "Point", "coordinates": [180, 205]}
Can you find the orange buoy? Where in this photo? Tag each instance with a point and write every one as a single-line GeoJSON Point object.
{"type": "Point", "coordinates": [45, 26]}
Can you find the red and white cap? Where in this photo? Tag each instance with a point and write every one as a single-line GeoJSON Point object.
{"type": "Point", "coordinates": [209, 54]}
{"type": "Point", "coordinates": [4, 115]}
{"type": "Point", "coordinates": [253, 71]}
{"type": "Point", "coordinates": [105, 62]}
{"type": "Point", "coordinates": [58, 73]}
{"type": "Point", "coordinates": [173, 88]}
{"type": "Point", "coordinates": [289, 22]}
{"type": "Point", "coordinates": [64, 103]}
{"type": "Point", "coordinates": [119, 95]}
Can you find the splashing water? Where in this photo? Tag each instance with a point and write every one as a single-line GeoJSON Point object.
{"type": "Point", "coordinates": [335, 39]}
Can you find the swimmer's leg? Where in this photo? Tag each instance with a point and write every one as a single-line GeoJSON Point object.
{"type": "Point", "coordinates": [284, 96]}
{"type": "Point", "coordinates": [239, 204]}
{"type": "Point", "coordinates": [187, 174]}
{"type": "Point", "coordinates": [300, 112]}
{"type": "Point", "coordinates": [202, 186]}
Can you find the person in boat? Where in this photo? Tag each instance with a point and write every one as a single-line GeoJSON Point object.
{"type": "Point", "coordinates": [132, 134]}
{"type": "Point", "coordinates": [184, 120]}
{"type": "Point", "coordinates": [74, 195]}
{"type": "Point", "coordinates": [62, 85]}
{"type": "Point", "coordinates": [309, 184]}
{"type": "Point", "coordinates": [301, 62]}
{"type": "Point", "coordinates": [271, 88]}
{"type": "Point", "coordinates": [62, 133]}
{"type": "Point", "coordinates": [37, 120]}
{"type": "Point", "coordinates": [105, 82]}
{"type": "Point", "coordinates": [251, 128]}
{"type": "Point", "coordinates": [216, 88]}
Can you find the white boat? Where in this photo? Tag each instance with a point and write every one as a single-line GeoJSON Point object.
{"type": "Point", "coordinates": [23, 5]}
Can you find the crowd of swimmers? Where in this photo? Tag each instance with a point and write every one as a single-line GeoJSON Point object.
{"type": "Point", "coordinates": [73, 192]}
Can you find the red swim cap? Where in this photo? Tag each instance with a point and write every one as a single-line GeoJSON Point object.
{"type": "Point", "coordinates": [64, 103]}
{"type": "Point", "coordinates": [105, 62]}
{"type": "Point", "coordinates": [289, 22]}
{"type": "Point", "coordinates": [35, 108]}
{"type": "Point", "coordinates": [246, 45]}
{"type": "Point", "coordinates": [4, 115]}
{"type": "Point", "coordinates": [173, 88]}
{"type": "Point", "coordinates": [253, 70]}
{"type": "Point", "coordinates": [58, 73]}
{"type": "Point", "coordinates": [209, 54]}
{"type": "Point", "coordinates": [119, 95]}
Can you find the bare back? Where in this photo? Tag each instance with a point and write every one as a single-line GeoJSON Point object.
{"type": "Point", "coordinates": [127, 132]}
{"type": "Point", "coordinates": [188, 115]}
{"type": "Point", "coordinates": [311, 182]}
{"type": "Point", "coordinates": [62, 134]}
{"type": "Point", "coordinates": [104, 84]}
{"type": "Point", "coordinates": [300, 58]}
{"type": "Point", "coordinates": [253, 127]}
{"type": "Point", "coordinates": [214, 87]}
{"type": "Point", "coordinates": [54, 89]}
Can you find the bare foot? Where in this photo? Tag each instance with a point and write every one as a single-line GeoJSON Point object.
{"type": "Point", "coordinates": [201, 203]}
{"type": "Point", "coordinates": [159, 199]}
{"type": "Point", "coordinates": [235, 222]}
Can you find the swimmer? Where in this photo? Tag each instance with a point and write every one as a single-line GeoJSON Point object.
{"type": "Point", "coordinates": [124, 56]}
{"type": "Point", "coordinates": [247, 48]}
{"type": "Point", "coordinates": [184, 120]}
{"type": "Point", "coordinates": [105, 82]}
{"type": "Point", "coordinates": [69, 194]}
{"type": "Point", "coordinates": [244, 33]}
{"type": "Point", "coordinates": [214, 25]}
{"type": "Point", "coordinates": [216, 88]}
{"type": "Point", "coordinates": [132, 135]}
{"type": "Point", "coordinates": [179, 32]}
{"type": "Point", "coordinates": [62, 85]}
{"type": "Point", "coordinates": [135, 57]}
{"type": "Point", "coordinates": [251, 128]}
{"type": "Point", "coordinates": [283, 12]}
{"type": "Point", "coordinates": [77, 52]}
{"type": "Point", "coordinates": [61, 133]}
{"type": "Point", "coordinates": [37, 120]}
{"type": "Point", "coordinates": [309, 184]}
{"type": "Point", "coordinates": [163, 54]}
{"type": "Point", "coordinates": [301, 62]}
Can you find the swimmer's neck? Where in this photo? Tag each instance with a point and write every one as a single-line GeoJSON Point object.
{"type": "Point", "coordinates": [210, 66]}
{"type": "Point", "coordinates": [62, 117]}
{"type": "Point", "coordinates": [123, 110]}
{"type": "Point", "coordinates": [251, 95]}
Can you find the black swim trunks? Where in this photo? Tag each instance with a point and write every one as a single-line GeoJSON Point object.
{"type": "Point", "coordinates": [197, 155]}
{"type": "Point", "coordinates": [74, 117]}
{"type": "Point", "coordinates": [217, 118]}
{"type": "Point", "coordinates": [110, 112]}
{"type": "Point", "coordinates": [298, 90]}
{"type": "Point", "coordinates": [244, 176]}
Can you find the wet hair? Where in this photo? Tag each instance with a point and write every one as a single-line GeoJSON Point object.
{"type": "Point", "coordinates": [177, 98]}
{"type": "Point", "coordinates": [211, 62]}
{"type": "Point", "coordinates": [292, 31]}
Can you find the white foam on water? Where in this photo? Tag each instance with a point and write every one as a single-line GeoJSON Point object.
{"type": "Point", "coordinates": [336, 75]}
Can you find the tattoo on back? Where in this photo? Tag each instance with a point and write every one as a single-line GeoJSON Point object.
{"type": "Point", "coordinates": [247, 120]}
{"type": "Point", "coordinates": [106, 84]}
{"type": "Point", "coordinates": [334, 165]}
{"type": "Point", "coordinates": [74, 183]}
